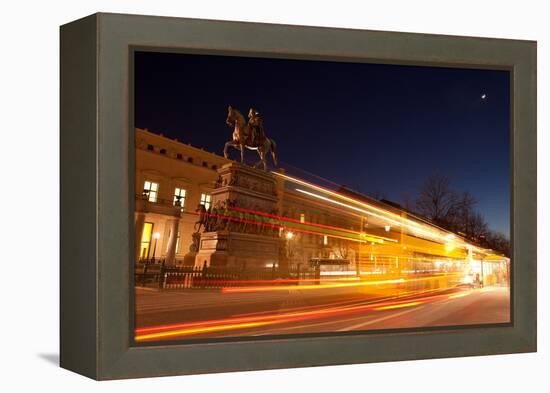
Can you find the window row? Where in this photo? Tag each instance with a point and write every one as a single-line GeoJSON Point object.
{"type": "Point", "coordinates": [151, 189]}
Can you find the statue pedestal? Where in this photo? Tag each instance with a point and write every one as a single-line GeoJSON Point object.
{"type": "Point", "coordinates": [247, 187]}
{"type": "Point", "coordinates": [213, 249]}
{"type": "Point", "coordinates": [247, 238]}
{"type": "Point", "coordinates": [233, 249]}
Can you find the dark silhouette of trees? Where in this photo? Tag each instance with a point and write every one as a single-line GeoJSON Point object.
{"type": "Point", "coordinates": [436, 200]}
{"type": "Point", "coordinates": [454, 211]}
{"type": "Point", "coordinates": [497, 241]}
{"type": "Point", "coordinates": [443, 206]}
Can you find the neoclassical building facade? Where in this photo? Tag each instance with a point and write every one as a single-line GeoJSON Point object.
{"type": "Point", "coordinates": [172, 179]}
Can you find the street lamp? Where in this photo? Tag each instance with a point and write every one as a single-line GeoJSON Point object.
{"type": "Point", "coordinates": [289, 252]}
{"type": "Point", "coordinates": [156, 236]}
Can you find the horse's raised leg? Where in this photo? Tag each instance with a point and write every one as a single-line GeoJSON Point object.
{"type": "Point", "coordinates": [227, 144]}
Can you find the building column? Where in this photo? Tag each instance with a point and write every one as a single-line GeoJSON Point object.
{"type": "Point", "coordinates": [172, 241]}
{"type": "Point", "coordinates": [139, 222]}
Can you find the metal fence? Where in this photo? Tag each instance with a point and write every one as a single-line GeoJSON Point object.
{"type": "Point", "coordinates": [157, 275]}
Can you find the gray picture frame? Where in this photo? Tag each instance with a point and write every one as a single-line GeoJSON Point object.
{"type": "Point", "coordinates": [97, 164]}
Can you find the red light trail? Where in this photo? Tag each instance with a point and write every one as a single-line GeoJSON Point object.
{"type": "Point", "coordinates": [193, 328]}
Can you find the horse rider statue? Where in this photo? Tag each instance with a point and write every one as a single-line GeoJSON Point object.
{"type": "Point", "coordinates": [249, 135]}
{"type": "Point", "coordinates": [256, 127]}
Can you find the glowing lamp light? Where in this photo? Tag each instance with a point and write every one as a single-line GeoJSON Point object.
{"type": "Point", "coordinates": [156, 235]}
{"type": "Point", "coordinates": [289, 235]}
{"type": "Point", "coordinates": [387, 228]}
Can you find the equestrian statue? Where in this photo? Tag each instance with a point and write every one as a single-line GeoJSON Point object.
{"type": "Point", "coordinates": [249, 135]}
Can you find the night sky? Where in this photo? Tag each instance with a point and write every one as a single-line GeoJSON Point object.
{"type": "Point", "coordinates": [378, 129]}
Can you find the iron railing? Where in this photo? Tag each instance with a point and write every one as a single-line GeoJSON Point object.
{"type": "Point", "coordinates": [158, 275]}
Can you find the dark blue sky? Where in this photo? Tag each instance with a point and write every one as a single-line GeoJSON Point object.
{"type": "Point", "coordinates": [375, 128]}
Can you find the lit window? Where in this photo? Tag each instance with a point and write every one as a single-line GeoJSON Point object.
{"type": "Point", "coordinates": [146, 240]}
{"type": "Point", "coordinates": [179, 197]}
{"type": "Point", "coordinates": [205, 200]}
{"type": "Point", "coordinates": [302, 218]}
{"type": "Point", "coordinates": [150, 191]}
{"type": "Point", "coordinates": [325, 240]}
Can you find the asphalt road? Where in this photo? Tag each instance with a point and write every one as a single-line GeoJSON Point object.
{"type": "Point", "coordinates": [163, 315]}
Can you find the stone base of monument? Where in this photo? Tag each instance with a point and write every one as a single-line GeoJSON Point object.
{"type": "Point", "coordinates": [239, 250]}
{"type": "Point", "coordinates": [242, 241]}
{"type": "Point", "coordinates": [189, 259]}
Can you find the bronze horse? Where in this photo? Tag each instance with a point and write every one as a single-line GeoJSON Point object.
{"type": "Point", "coordinates": [242, 137]}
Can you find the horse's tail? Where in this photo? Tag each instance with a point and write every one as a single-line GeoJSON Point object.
{"type": "Point", "coordinates": [273, 151]}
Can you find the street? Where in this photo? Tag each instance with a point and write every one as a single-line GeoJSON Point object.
{"type": "Point", "coordinates": [193, 314]}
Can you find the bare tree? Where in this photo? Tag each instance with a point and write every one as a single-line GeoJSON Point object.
{"type": "Point", "coordinates": [498, 241]}
{"type": "Point", "coordinates": [474, 226]}
{"type": "Point", "coordinates": [463, 218]}
{"type": "Point", "coordinates": [455, 212]}
{"type": "Point", "coordinates": [449, 209]}
{"type": "Point", "coordinates": [436, 200]}
{"type": "Point", "coordinates": [465, 202]}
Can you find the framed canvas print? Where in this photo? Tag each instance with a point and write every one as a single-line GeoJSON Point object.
{"type": "Point", "coordinates": [240, 196]}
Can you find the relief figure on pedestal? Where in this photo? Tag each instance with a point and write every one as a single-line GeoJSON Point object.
{"type": "Point", "coordinates": [202, 217]}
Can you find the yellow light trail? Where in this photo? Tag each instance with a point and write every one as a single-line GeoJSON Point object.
{"type": "Point", "coordinates": [325, 190]}
{"type": "Point", "coordinates": [309, 286]}
{"type": "Point", "coordinates": [386, 215]}
{"type": "Point", "coordinates": [327, 286]}
{"type": "Point", "coordinates": [348, 206]}
{"type": "Point", "coordinates": [414, 228]}
{"type": "Point", "coordinates": [411, 304]}
{"type": "Point", "coordinates": [458, 295]}
{"type": "Point", "coordinates": [208, 329]}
